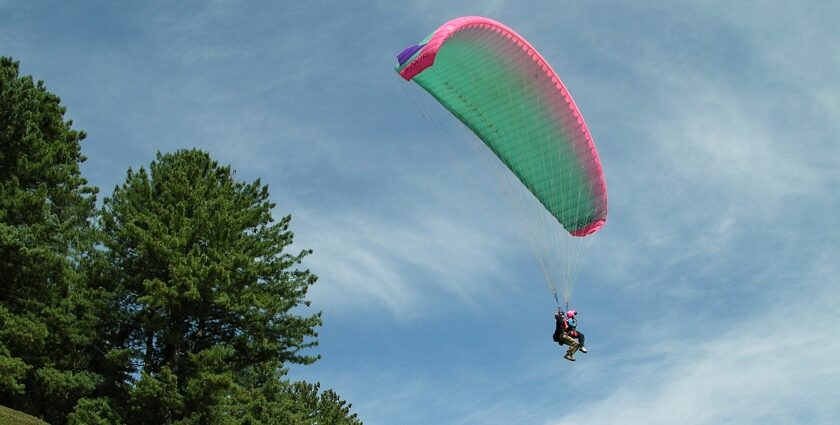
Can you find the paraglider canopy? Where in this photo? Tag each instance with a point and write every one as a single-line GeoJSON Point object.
{"type": "Point", "coordinates": [500, 87]}
{"type": "Point", "coordinates": [504, 91]}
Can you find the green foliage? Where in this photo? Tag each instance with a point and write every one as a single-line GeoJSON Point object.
{"type": "Point", "coordinates": [183, 307]}
{"type": "Point", "coordinates": [156, 399]}
{"type": "Point", "coordinates": [277, 402]}
{"type": "Point", "coordinates": [321, 407]}
{"type": "Point", "coordinates": [45, 208]}
{"type": "Point", "coordinates": [200, 273]}
{"type": "Point", "coordinates": [97, 411]}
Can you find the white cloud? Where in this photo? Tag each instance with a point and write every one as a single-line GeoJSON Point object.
{"type": "Point", "coordinates": [721, 169]}
{"type": "Point", "coordinates": [778, 367]}
{"type": "Point", "coordinates": [712, 137]}
{"type": "Point", "coordinates": [718, 154]}
{"type": "Point", "coordinates": [408, 254]}
{"type": "Point", "coordinates": [775, 367]}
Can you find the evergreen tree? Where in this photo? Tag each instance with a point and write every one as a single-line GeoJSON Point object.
{"type": "Point", "coordinates": [278, 402]}
{"type": "Point", "coordinates": [186, 312]}
{"type": "Point", "coordinates": [45, 208]}
{"type": "Point", "coordinates": [205, 287]}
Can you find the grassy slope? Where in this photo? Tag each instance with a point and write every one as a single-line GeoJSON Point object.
{"type": "Point", "coordinates": [13, 417]}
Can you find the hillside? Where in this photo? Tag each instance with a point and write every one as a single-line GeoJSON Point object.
{"type": "Point", "coordinates": [13, 417]}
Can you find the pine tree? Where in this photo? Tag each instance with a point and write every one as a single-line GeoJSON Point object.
{"type": "Point", "coordinates": [45, 232]}
{"type": "Point", "coordinates": [279, 402]}
{"type": "Point", "coordinates": [183, 307]}
{"type": "Point", "coordinates": [205, 284]}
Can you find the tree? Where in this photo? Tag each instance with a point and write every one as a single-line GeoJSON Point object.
{"type": "Point", "coordinates": [184, 306]}
{"type": "Point", "coordinates": [321, 407]}
{"type": "Point", "coordinates": [279, 402]}
{"type": "Point", "coordinates": [204, 284]}
{"type": "Point", "coordinates": [45, 232]}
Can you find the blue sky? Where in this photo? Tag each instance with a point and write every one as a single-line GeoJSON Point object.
{"type": "Point", "coordinates": [710, 297]}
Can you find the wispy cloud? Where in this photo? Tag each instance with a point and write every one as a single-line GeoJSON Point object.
{"type": "Point", "coordinates": [717, 123]}
{"type": "Point", "coordinates": [776, 368]}
{"type": "Point", "coordinates": [705, 156]}
{"type": "Point", "coordinates": [406, 259]}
